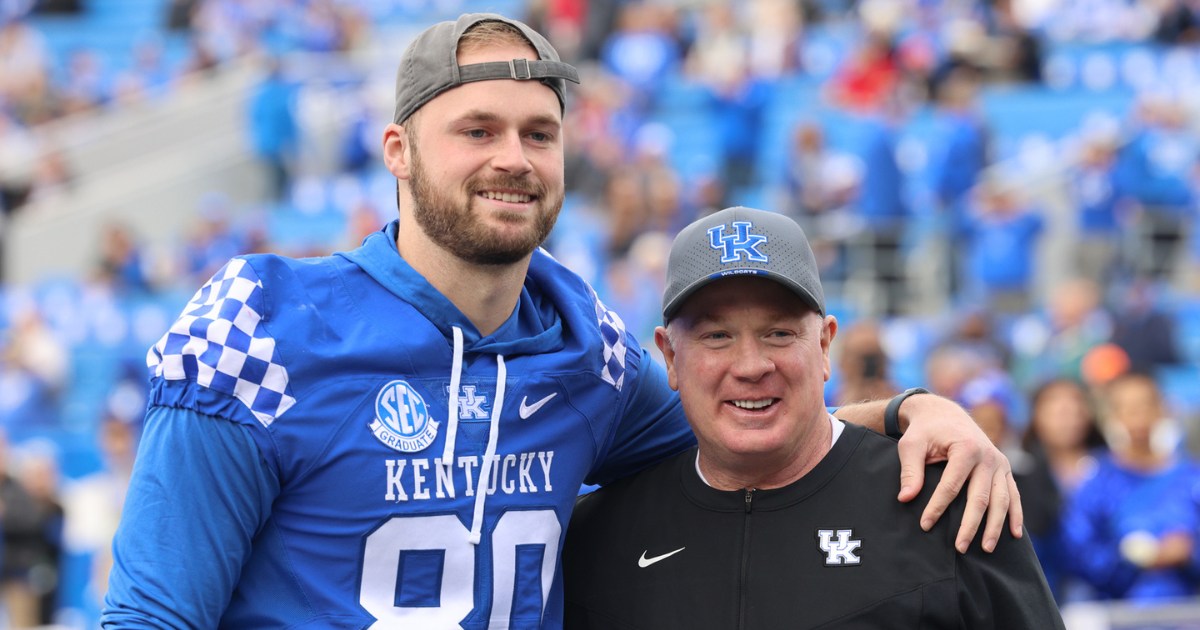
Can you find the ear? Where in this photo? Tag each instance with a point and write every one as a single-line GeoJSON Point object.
{"type": "Point", "coordinates": [829, 328]}
{"type": "Point", "coordinates": [664, 344]}
{"type": "Point", "coordinates": [397, 154]}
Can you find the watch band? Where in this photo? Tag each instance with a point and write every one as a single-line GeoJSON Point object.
{"type": "Point", "coordinates": [891, 416]}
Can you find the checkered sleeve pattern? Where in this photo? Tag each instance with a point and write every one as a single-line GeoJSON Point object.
{"type": "Point", "coordinates": [220, 342]}
{"type": "Point", "coordinates": [612, 331]}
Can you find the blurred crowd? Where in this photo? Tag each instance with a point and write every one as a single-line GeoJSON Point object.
{"type": "Point", "coordinates": [193, 39]}
{"type": "Point", "coordinates": [805, 107]}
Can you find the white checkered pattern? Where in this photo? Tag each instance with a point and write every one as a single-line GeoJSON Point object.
{"type": "Point", "coordinates": [612, 331]}
{"type": "Point", "coordinates": [220, 341]}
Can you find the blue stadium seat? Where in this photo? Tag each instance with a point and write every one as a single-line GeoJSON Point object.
{"type": "Point", "coordinates": [1179, 387]}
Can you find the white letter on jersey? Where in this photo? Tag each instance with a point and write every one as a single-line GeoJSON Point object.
{"type": "Point", "coordinates": [546, 467]}
{"type": "Point", "coordinates": [506, 483]}
{"type": "Point", "coordinates": [419, 478]}
{"type": "Point", "coordinates": [526, 462]}
{"type": "Point", "coordinates": [467, 464]}
{"type": "Point", "coordinates": [445, 479]}
{"type": "Point", "coordinates": [494, 475]}
{"type": "Point", "coordinates": [394, 473]}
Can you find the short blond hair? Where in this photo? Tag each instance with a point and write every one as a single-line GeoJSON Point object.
{"type": "Point", "coordinates": [492, 33]}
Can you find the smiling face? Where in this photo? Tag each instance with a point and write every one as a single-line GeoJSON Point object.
{"type": "Point", "coordinates": [484, 164]}
{"type": "Point", "coordinates": [750, 361]}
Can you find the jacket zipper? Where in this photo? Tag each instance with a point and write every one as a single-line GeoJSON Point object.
{"type": "Point", "coordinates": [745, 560]}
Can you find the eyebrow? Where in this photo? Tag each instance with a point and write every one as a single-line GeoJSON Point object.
{"type": "Point", "coordinates": [480, 115]}
{"type": "Point", "coordinates": [709, 318]}
{"type": "Point", "coordinates": [705, 318]}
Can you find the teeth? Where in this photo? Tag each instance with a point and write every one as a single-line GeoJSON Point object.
{"type": "Point", "coordinates": [753, 404]}
{"type": "Point", "coordinates": [509, 197]}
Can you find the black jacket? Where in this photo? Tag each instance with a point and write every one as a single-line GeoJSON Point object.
{"type": "Point", "coordinates": [662, 549]}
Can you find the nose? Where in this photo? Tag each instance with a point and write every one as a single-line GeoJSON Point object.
{"type": "Point", "coordinates": [750, 361]}
{"type": "Point", "coordinates": [510, 155]}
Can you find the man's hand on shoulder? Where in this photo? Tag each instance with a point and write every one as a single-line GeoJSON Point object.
{"type": "Point", "coordinates": [936, 429]}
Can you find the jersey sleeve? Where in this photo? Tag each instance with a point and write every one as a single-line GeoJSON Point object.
{"type": "Point", "coordinates": [219, 358]}
{"type": "Point", "coordinates": [200, 493]}
{"type": "Point", "coordinates": [650, 428]}
{"type": "Point", "coordinates": [1005, 588]}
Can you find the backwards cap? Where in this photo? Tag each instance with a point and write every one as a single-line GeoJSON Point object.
{"type": "Point", "coordinates": [430, 64]}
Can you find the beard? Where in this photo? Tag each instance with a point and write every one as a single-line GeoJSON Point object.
{"type": "Point", "coordinates": [452, 225]}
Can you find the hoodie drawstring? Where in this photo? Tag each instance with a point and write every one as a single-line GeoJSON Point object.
{"type": "Point", "coordinates": [490, 453]}
{"type": "Point", "coordinates": [455, 379]}
{"type": "Point", "coordinates": [493, 431]}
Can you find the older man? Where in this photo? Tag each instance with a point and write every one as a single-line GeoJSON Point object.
{"type": "Point", "coordinates": [783, 515]}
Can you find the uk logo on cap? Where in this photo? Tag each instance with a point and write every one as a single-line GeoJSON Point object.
{"type": "Point", "coordinates": [741, 244]}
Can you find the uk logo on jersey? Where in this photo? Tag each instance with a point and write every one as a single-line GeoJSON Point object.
{"type": "Point", "coordinates": [472, 404]}
{"type": "Point", "coordinates": [739, 245]}
{"type": "Point", "coordinates": [402, 420]}
{"type": "Point", "coordinates": [839, 552]}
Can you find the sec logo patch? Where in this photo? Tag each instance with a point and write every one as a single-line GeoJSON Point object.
{"type": "Point", "coordinates": [402, 420]}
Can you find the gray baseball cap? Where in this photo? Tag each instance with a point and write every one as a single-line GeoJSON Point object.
{"type": "Point", "coordinates": [741, 241]}
{"type": "Point", "coordinates": [430, 64]}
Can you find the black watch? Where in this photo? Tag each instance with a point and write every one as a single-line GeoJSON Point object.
{"type": "Point", "coordinates": [891, 416]}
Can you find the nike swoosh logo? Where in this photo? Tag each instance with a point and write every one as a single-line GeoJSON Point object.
{"type": "Point", "coordinates": [644, 562]}
{"type": "Point", "coordinates": [529, 410]}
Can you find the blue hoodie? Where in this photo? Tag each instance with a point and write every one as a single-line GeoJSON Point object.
{"type": "Point", "coordinates": [291, 473]}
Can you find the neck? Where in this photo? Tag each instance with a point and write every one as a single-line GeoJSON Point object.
{"type": "Point", "coordinates": [1140, 455]}
{"type": "Point", "coordinates": [1064, 455]}
{"type": "Point", "coordinates": [756, 471]}
{"type": "Point", "coordinates": [486, 294]}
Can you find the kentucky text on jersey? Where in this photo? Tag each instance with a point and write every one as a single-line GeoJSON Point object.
{"type": "Point", "coordinates": [510, 473]}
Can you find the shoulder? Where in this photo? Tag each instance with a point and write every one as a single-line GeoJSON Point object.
{"type": "Point", "coordinates": [871, 447]}
{"type": "Point", "coordinates": [876, 458]}
{"type": "Point", "coordinates": [220, 356]}
{"type": "Point", "coordinates": [596, 327]}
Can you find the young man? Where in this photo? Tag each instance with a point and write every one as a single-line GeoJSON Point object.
{"type": "Point", "coordinates": [394, 436]}
{"type": "Point", "coordinates": [780, 518]}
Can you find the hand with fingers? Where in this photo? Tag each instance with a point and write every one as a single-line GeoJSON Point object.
{"type": "Point", "coordinates": [935, 430]}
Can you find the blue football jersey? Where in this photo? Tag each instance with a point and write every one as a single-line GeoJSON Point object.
{"type": "Point", "coordinates": [389, 467]}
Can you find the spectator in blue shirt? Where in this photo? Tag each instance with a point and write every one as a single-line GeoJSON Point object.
{"type": "Point", "coordinates": [273, 129]}
{"type": "Point", "coordinates": [1002, 237]}
{"type": "Point", "coordinates": [1131, 529]}
{"type": "Point", "coordinates": [962, 142]}
{"type": "Point", "coordinates": [738, 108]}
{"type": "Point", "coordinates": [641, 51]}
{"type": "Point", "coordinates": [1099, 194]}
{"type": "Point", "coordinates": [1159, 166]}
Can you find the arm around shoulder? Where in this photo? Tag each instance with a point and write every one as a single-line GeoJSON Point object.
{"type": "Point", "coordinates": [199, 494]}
